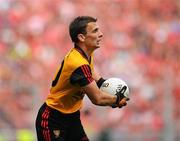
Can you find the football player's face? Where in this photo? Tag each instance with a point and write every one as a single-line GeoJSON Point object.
{"type": "Point", "coordinates": [93, 36]}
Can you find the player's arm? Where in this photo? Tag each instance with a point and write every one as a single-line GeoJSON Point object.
{"type": "Point", "coordinates": [101, 98]}
{"type": "Point", "coordinates": [98, 97]}
{"type": "Point", "coordinates": [82, 76]}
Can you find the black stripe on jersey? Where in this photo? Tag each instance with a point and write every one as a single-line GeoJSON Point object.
{"type": "Point", "coordinates": [82, 76]}
{"type": "Point", "coordinates": [58, 75]}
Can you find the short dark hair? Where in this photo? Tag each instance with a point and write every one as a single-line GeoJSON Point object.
{"type": "Point", "coordinates": [78, 26]}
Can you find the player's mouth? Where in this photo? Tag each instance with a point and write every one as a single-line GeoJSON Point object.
{"type": "Point", "coordinates": [98, 41]}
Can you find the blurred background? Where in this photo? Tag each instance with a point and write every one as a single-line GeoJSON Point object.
{"type": "Point", "coordinates": [141, 45]}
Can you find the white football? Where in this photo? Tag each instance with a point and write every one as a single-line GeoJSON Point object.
{"type": "Point", "coordinates": [114, 85]}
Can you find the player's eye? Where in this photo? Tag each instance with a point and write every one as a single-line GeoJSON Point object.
{"type": "Point", "coordinates": [95, 30]}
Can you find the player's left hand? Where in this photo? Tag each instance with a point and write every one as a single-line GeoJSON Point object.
{"type": "Point", "coordinates": [121, 99]}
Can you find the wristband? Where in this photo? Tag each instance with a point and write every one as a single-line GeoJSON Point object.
{"type": "Point", "coordinates": [100, 82]}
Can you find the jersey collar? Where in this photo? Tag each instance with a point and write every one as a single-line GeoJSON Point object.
{"type": "Point", "coordinates": [82, 52]}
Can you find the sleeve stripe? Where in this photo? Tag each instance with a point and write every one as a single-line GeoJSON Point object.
{"type": "Point", "coordinates": [86, 73]}
{"type": "Point", "coordinates": [89, 74]}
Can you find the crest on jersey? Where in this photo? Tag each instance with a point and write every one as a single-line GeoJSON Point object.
{"type": "Point", "coordinates": [56, 133]}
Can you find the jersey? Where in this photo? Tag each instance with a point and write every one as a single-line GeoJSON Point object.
{"type": "Point", "coordinates": [66, 93]}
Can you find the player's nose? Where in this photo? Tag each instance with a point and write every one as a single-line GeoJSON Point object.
{"type": "Point", "coordinates": [100, 34]}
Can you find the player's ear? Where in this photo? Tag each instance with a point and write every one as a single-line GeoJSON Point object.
{"type": "Point", "coordinates": [81, 37]}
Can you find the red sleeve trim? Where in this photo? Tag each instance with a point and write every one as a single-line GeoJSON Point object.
{"type": "Point", "coordinates": [87, 72]}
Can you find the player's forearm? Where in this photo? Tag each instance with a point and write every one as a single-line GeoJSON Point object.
{"type": "Point", "coordinates": [99, 97]}
{"type": "Point", "coordinates": [104, 99]}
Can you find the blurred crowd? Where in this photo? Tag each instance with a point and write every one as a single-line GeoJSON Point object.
{"type": "Point", "coordinates": [141, 45]}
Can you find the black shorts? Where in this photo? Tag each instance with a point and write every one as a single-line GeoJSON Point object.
{"type": "Point", "coordinates": [52, 125]}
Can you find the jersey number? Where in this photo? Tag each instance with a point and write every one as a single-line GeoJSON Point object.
{"type": "Point", "coordinates": [58, 75]}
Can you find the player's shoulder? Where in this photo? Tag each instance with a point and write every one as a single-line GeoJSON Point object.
{"type": "Point", "coordinates": [75, 59]}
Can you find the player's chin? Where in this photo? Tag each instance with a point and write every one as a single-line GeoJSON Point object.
{"type": "Point", "coordinates": [98, 46]}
